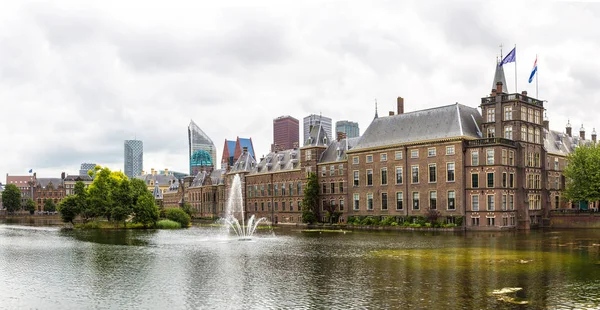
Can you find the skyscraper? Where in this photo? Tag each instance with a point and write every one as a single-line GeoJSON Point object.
{"type": "Point", "coordinates": [85, 167]}
{"type": "Point", "coordinates": [134, 158]}
{"type": "Point", "coordinates": [314, 120]}
{"type": "Point", "coordinates": [348, 127]}
{"type": "Point", "coordinates": [286, 133]}
{"type": "Point", "coordinates": [199, 141]}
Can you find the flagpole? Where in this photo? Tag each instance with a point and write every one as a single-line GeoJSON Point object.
{"type": "Point", "coordinates": [536, 77]}
{"type": "Point", "coordinates": [516, 89]}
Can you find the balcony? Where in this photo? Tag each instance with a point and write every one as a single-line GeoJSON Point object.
{"type": "Point", "coordinates": [491, 141]}
{"type": "Point", "coordinates": [514, 97]}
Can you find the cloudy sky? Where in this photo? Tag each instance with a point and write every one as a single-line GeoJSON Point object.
{"type": "Point", "coordinates": [79, 77]}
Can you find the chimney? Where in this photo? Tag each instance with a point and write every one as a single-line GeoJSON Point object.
{"type": "Point", "coordinates": [582, 132]}
{"type": "Point", "coordinates": [244, 150]}
{"type": "Point", "coordinates": [524, 93]}
{"type": "Point", "coordinates": [494, 93]}
{"type": "Point", "coordinates": [594, 135]}
{"type": "Point", "coordinates": [400, 101]}
{"type": "Point", "coordinates": [569, 129]}
{"type": "Point", "coordinates": [499, 87]}
{"type": "Point", "coordinates": [166, 171]}
{"type": "Point", "coordinates": [62, 175]}
{"type": "Point", "coordinates": [341, 135]}
{"type": "Point", "coordinates": [391, 113]}
{"type": "Point", "coordinates": [152, 171]}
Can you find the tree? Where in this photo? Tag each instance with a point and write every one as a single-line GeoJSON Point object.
{"type": "Point", "coordinates": [123, 202]}
{"type": "Point", "coordinates": [81, 201]}
{"type": "Point", "coordinates": [583, 174]}
{"type": "Point", "coordinates": [68, 209]}
{"type": "Point", "coordinates": [11, 198]}
{"type": "Point", "coordinates": [30, 205]}
{"type": "Point", "coordinates": [187, 207]}
{"type": "Point", "coordinates": [49, 205]}
{"type": "Point", "coordinates": [310, 201]}
{"type": "Point", "coordinates": [145, 210]}
{"type": "Point", "coordinates": [100, 198]}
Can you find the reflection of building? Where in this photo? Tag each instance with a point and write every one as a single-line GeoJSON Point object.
{"type": "Point", "coordinates": [314, 120]}
{"type": "Point", "coordinates": [349, 128]}
{"type": "Point", "coordinates": [134, 158]}
{"type": "Point", "coordinates": [198, 140]}
{"type": "Point", "coordinates": [85, 167]}
{"type": "Point", "coordinates": [285, 133]}
{"type": "Point", "coordinates": [232, 150]}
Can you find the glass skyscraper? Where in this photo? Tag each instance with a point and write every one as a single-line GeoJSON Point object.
{"type": "Point", "coordinates": [348, 127]}
{"type": "Point", "coordinates": [199, 141]}
{"type": "Point", "coordinates": [134, 158]}
{"type": "Point", "coordinates": [314, 120]}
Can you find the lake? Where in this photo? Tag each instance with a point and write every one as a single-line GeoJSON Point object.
{"type": "Point", "coordinates": [286, 268]}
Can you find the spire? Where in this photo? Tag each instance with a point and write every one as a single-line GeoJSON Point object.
{"type": "Point", "coordinates": [499, 77]}
{"type": "Point", "coordinates": [376, 116]}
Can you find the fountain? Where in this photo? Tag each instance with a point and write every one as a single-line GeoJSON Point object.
{"type": "Point", "coordinates": [234, 213]}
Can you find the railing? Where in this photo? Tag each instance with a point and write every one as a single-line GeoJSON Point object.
{"type": "Point", "coordinates": [490, 141]}
{"type": "Point", "coordinates": [512, 97]}
{"type": "Point", "coordinates": [488, 100]}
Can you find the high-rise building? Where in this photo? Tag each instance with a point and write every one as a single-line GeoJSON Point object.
{"type": "Point", "coordinates": [134, 158]}
{"type": "Point", "coordinates": [349, 128]}
{"type": "Point", "coordinates": [315, 120]}
{"type": "Point", "coordinates": [85, 167]}
{"type": "Point", "coordinates": [285, 133]}
{"type": "Point", "coordinates": [199, 141]}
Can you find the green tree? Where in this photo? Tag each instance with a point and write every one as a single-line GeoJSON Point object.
{"type": "Point", "coordinates": [583, 174]}
{"type": "Point", "coordinates": [30, 205]}
{"type": "Point", "coordinates": [145, 210]}
{"type": "Point", "coordinates": [68, 209]}
{"type": "Point", "coordinates": [100, 198]}
{"type": "Point", "coordinates": [11, 198]}
{"type": "Point", "coordinates": [123, 202]}
{"type": "Point", "coordinates": [179, 216]}
{"type": "Point", "coordinates": [49, 205]}
{"type": "Point", "coordinates": [311, 200]}
{"type": "Point", "coordinates": [187, 208]}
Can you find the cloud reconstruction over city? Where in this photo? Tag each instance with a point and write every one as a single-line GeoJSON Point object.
{"type": "Point", "coordinates": [79, 78]}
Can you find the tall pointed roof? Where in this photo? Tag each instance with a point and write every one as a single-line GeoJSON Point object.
{"type": "Point", "coordinates": [499, 77]}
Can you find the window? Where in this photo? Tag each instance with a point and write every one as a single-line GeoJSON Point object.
{"type": "Point", "coordinates": [432, 173]}
{"type": "Point", "coordinates": [369, 158]}
{"type": "Point", "coordinates": [490, 157]}
{"type": "Point", "coordinates": [268, 189]}
{"type": "Point", "coordinates": [530, 134]}
{"type": "Point", "coordinates": [341, 187]}
{"type": "Point", "coordinates": [384, 201]}
{"type": "Point", "coordinates": [398, 175]}
{"type": "Point", "coordinates": [369, 177]}
{"type": "Point", "coordinates": [355, 205]}
{"type": "Point", "coordinates": [431, 152]}
{"type": "Point", "coordinates": [475, 158]}
{"type": "Point", "coordinates": [503, 203]}
{"type": "Point", "coordinates": [530, 115]}
{"type": "Point", "coordinates": [433, 200]}
{"type": "Point", "coordinates": [504, 180]}
{"type": "Point", "coordinates": [491, 221]}
{"type": "Point", "coordinates": [398, 155]}
{"type": "Point", "coordinates": [415, 200]}
{"type": "Point", "coordinates": [536, 117]}
{"type": "Point", "coordinates": [324, 188]}
{"type": "Point", "coordinates": [490, 179]}
{"type": "Point", "coordinates": [555, 163]}
{"type": "Point", "coordinates": [491, 115]}
{"type": "Point", "coordinates": [504, 157]}
{"type": "Point", "coordinates": [511, 158]}
{"type": "Point", "coordinates": [414, 154]}
{"type": "Point", "coordinates": [282, 206]}
{"type": "Point", "coordinates": [283, 189]}
{"type": "Point", "coordinates": [537, 135]}
{"type": "Point", "coordinates": [490, 202]}
{"type": "Point", "coordinates": [450, 150]}
{"type": "Point", "coordinates": [475, 180]}
{"type": "Point", "coordinates": [355, 178]}
{"type": "Point", "coordinates": [491, 132]}
{"type": "Point", "coordinates": [291, 186]}
{"type": "Point", "coordinates": [341, 169]}
{"type": "Point", "coordinates": [415, 174]}
{"type": "Point", "coordinates": [384, 179]}
{"type": "Point", "coordinates": [450, 172]}
{"type": "Point", "coordinates": [331, 170]}
{"type": "Point", "coordinates": [474, 221]}
{"type": "Point", "coordinates": [475, 203]}
{"type": "Point", "coordinates": [523, 113]}
{"type": "Point", "coordinates": [383, 157]}
{"type": "Point", "coordinates": [323, 171]}
{"type": "Point", "coordinates": [399, 202]}
{"type": "Point", "coordinates": [369, 201]}
{"type": "Point", "coordinates": [291, 205]}
{"type": "Point", "coordinates": [308, 155]}
{"type": "Point", "coordinates": [451, 200]}
{"type": "Point", "coordinates": [355, 160]}
{"type": "Point", "coordinates": [332, 187]}
{"type": "Point", "coordinates": [508, 113]}
{"type": "Point", "coordinates": [299, 188]}
{"type": "Point", "coordinates": [341, 205]}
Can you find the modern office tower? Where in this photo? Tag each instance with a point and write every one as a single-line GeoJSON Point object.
{"type": "Point", "coordinates": [285, 133]}
{"type": "Point", "coordinates": [315, 120]}
{"type": "Point", "coordinates": [199, 141]}
{"type": "Point", "coordinates": [85, 167]}
{"type": "Point", "coordinates": [134, 158]}
{"type": "Point", "coordinates": [347, 127]}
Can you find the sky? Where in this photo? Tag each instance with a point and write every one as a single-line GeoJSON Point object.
{"type": "Point", "coordinates": [77, 78]}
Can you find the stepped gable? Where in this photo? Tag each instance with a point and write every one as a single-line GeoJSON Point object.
{"type": "Point", "coordinates": [451, 121]}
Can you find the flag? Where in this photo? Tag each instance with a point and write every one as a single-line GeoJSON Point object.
{"type": "Point", "coordinates": [30, 170]}
{"type": "Point", "coordinates": [510, 57]}
{"type": "Point", "coordinates": [533, 71]}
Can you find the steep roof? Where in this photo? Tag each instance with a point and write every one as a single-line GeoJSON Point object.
{"type": "Point", "coordinates": [317, 136]}
{"type": "Point", "coordinates": [244, 142]}
{"type": "Point", "coordinates": [336, 150]}
{"type": "Point", "coordinates": [230, 147]}
{"type": "Point", "coordinates": [558, 143]}
{"type": "Point", "coordinates": [157, 193]}
{"type": "Point", "coordinates": [245, 163]}
{"type": "Point", "coordinates": [499, 77]}
{"type": "Point", "coordinates": [278, 161]}
{"type": "Point", "coordinates": [444, 122]}
{"type": "Point", "coordinates": [43, 182]}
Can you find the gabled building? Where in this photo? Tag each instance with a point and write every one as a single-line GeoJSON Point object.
{"type": "Point", "coordinates": [232, 150]}
{"type": "Point", "coordinates": [48, 188]}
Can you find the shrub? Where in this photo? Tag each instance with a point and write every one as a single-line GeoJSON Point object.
{"type": "Point", "coordinates": [179, 216]}
{"type": "Point", "coordinates": [370, 221]}
{"type": "Point", "coordinates": [167, 224]}
{"type": "Point", "coordinates": [450, 225]}
{"type": "Point", "coordinates": [406, 224]}
{"type": "Point", "coordinates": [459, 220]}
{"type": "Point", "coordinates": [394, 224]}
{"type": "Point", "coordinates": [388, 221]}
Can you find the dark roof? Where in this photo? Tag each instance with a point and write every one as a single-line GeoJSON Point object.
{"type": "Point", "coordinates": [499, 77]}
{"type": "Point", "coordinates": [84, 178]}
{"type": "Point", "coordinates": [317, 136]}
{"type": "Point", "coordinates": [278, 161]}
{"type": "Point", "coordinates": [157, 193]}
{"type": "Point", "coordinates": [245, 163]}
{"type": "Point", "coordinates": [336, 150]}
{"type": "Point", "coordinates": [444, 122]}
{"type": "Point", "coordinates": [558, 143]}
{"type": "Point", "coordinates": [43, 182]}
{"type": "Point", "coordinates": [159, 179]}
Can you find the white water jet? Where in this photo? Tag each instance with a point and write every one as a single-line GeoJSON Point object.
{"type": "Point", "coordinates": [235, 215]}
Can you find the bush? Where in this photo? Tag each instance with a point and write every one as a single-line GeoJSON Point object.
{"type": "Point", "coordinates": [388, 221]}
{"type": "Point", "coordinates": [179, 216]}
{"type": "Point", "coordinates": [370, 221]}
{"type": "Point", "coordinates": [459, 220]}
{"type": "Point", "coordinates": [167, 224]}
